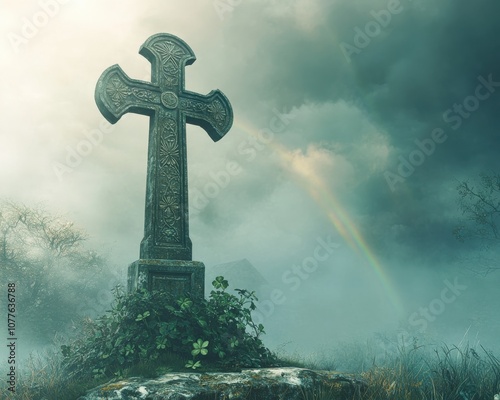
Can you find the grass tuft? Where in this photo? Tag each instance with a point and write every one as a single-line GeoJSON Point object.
{"type": "Point", "coordinates": [413, 372]}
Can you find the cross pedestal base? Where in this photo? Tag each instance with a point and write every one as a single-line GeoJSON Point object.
{"type": "Point", "coordinates": [175, 277]}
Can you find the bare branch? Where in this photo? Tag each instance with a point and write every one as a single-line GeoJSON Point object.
{"type": "Point", "coordinates": [480, 208]}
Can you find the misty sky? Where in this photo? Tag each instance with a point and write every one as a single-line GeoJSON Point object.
{"type": "Point", "coordinates": [354, 123]}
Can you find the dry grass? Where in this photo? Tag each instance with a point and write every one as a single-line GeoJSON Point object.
{"type": "Point", "coordinates": [42, 378]}
{"type": "Point", "coordinates": [412, 373]}
{"type": "Point", "coordinates": [450, 373]}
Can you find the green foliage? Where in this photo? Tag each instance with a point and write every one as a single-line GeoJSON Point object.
{"type": "Point", "coordinates": [151, 327]}
{"type": "Point", "coordinates": [411, 373]}
{"type": "Point", "coordinates": [199, 347]}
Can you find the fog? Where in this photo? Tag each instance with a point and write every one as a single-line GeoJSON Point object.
{"type": "Point", "coordinates": [354, 122]}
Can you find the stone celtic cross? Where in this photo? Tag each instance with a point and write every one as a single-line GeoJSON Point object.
{"type": "Point", "coordinates": [170, 107]}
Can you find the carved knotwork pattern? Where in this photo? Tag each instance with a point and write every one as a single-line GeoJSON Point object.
{"type": "Point", "coordinates": [169, 52]}
{"type": "Point", "coordinates": [213, 112]}
{"type": "Point", "coordinates": [171, 55]}
{"type": "Point", "coordinates": [117, 91]}
{"type": "Point", "coordinates": [165, 100]}
{"type": "Point", "coordinates": [218, 112]}
{"type": "Point", "coordinates": [146, 95]}
{"type": "Point", "coordinates": [169, 226]}
{"type": "Point", "coordinates": [196, 106]}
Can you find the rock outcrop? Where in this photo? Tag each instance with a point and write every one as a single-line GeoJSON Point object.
{"type": "Point", "coordinates": [251, 384]}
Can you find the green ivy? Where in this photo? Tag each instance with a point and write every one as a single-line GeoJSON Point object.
{"type": "Point", "coordinates": [149, 327]}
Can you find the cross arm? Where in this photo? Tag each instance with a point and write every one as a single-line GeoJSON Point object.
{"type": "Point", "coordinates": [212, 112]}
{"type": "Point", "coordinates": [116, 94]}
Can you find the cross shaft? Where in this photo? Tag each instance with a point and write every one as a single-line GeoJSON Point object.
{"type": "Point", "coordinates": [170, 107]}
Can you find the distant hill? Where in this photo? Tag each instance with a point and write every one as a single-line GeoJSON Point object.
{"type": "Point", "coordinates": [241, 274]}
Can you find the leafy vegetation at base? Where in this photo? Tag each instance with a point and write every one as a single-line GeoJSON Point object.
{"type": "Point", "coordinates": [408, 371]}
{"type": "Point", "coordinates": [151, 328]}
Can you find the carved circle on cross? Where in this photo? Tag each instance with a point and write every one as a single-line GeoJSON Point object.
{"type": "Point", "coordinates": [169, 100]}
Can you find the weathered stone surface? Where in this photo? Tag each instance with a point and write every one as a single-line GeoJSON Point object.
{"type": "Point", "coordinates": [170, 107]}
{"type": "Point", "coordinates": [257, 384]}
{"type": "Point", "coordinates": [175, 277]}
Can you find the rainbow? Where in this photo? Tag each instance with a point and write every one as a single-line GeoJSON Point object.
{"type": "Point", "coordinates": [336, 213]}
